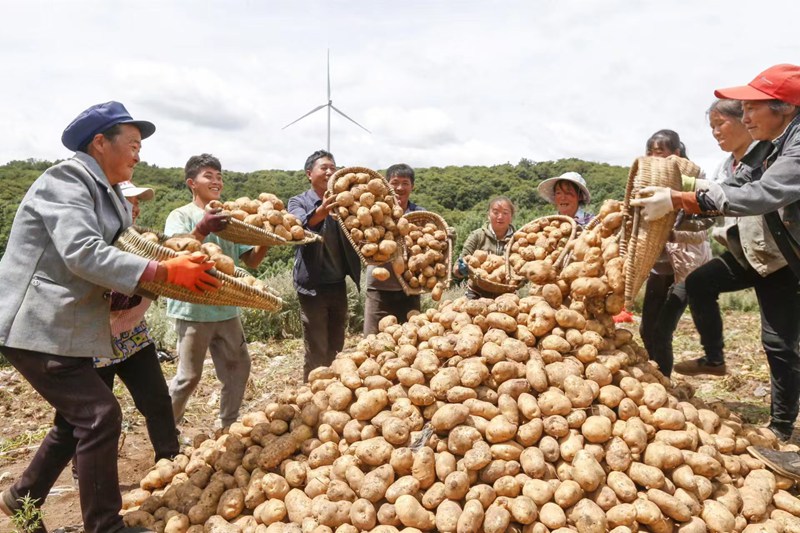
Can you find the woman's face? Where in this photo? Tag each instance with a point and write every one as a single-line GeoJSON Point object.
{"type": "Point", "coordinates": [567, 198]}
{"type": "Point", "coordinates": [134, 200]}
{"type": "Point", "coordinates": [659, 150]}
{"type": "Point", "coordinates": [500, 215]}
{"type": "Point", "coordinates": [730, 133]}
{"type": "Point", "coordinates": [763, 123]}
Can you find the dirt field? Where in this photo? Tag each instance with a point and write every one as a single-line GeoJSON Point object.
{"type": "Point", "coordinates": [26, 417]}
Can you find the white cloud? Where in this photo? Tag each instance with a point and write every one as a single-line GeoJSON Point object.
{"type": "Point", "coordinates": [437, 83]}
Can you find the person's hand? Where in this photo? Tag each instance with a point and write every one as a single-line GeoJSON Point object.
{"type": "Point", "coordinates": [451, 233]}
{"type": "Point", "coordinates": [656, 202]}
{"type": "Point", "coordinates": [461, 268]}
{"type": "Point", "coordinates": [191, 271]}
{"type": "Point", "coordinates": [213, 220]}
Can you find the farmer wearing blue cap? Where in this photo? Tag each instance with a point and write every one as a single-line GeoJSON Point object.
{"type": "Point", "coordinates": [58, 272]}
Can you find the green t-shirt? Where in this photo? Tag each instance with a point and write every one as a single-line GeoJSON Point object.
{"type": "Point", "coordinates": [183, 220]}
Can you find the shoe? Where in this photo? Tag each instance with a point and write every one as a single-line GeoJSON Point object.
{"type": "Point", "coordinates": [786, 464]}
{"type": "Point", "coordinates": [623, 316]}
{"type": "Point", "coordinates": [784, 435]}
{"type": "Point", "coordinates": [165, 357]}
{"type": "Point", "coordinates": [9, 505]}
{"type": "Point", "coordinates": [700, 366]}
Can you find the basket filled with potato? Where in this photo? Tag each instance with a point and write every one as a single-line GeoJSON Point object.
{"type": "Point", "coordinates": [489, 274]}
{"type": "Point", "coordinates": [367, 210]}
{"type": "Point", "coordinates": [429, 246]}
{"type": "Point", "coordinates": [263, 221]}
{"type": "Point", "coordinates": [541, 241]}
{"type": "Point", "coordinates": [238, 288]}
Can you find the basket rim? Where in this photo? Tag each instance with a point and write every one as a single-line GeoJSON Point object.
{"type": "Point", "coordinates": [253, 235]}
{"type": "Point", "coordinates": [400, 251]}
{"type": "Point", "coordinates": [490, 286]}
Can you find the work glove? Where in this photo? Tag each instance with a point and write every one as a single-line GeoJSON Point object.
{"type": "Point", "coordinates": [461, 268]}
{"type": "Point", "coordinates": [191, 272]}
{"type": "Point", "coordinates": [213, 220]}
{"type": "Point", "coordinates": [655, 202]}
{"type": "Point", "coordinates": [701, 184]}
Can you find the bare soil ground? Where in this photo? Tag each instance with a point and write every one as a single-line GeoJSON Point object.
{"type": "Point", "coordinates": [26, 417]}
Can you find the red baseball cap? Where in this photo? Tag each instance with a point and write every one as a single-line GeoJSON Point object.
{"type": "Point", "coordinates": [781, 82]}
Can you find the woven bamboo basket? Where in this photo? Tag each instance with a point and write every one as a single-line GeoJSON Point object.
{"type": "Point", "coordinates": [242, 233]}
{"type": "Point", "coordinates": [688, 168]}
{"type": "Point", "coordinates": [232, 291]}
{"type": "Point", "coordinates": [420, 218]}
{"type": "Point", "coordinates": [563, 247]}
{"type": "Point", "coordinates": [400, 252]}
{"type": "Point", "coordinates": [645, 242]}
{"type": "Point", "coordinates": [493, 287]}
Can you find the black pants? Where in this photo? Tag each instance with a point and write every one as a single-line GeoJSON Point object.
{"type": "Point", "coordinates": [87, 424]}
{"type": "Point", "coordinates": [380, 304]}
{"type": "Point", "coordinates": [142, 376]}
{"type": "Point", "coordinates": [664, 303]}
{"type": "Point", "coordinates": [324, 319]}
{"type": "Point", "coordinates": [779, 303]}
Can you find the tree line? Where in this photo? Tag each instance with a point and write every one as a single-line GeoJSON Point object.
{"type": "Point", "coordinates": [460, 194]}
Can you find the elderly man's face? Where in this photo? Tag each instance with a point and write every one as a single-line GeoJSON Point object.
{"type": "Point", "coordinates": [119, 156]}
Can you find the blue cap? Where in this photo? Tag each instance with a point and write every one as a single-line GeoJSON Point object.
{"type": "Point", "coordinates": [98, 119]}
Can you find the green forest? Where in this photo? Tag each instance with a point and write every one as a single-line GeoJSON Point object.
{"type": "Point", "coordinates": [459, 194]}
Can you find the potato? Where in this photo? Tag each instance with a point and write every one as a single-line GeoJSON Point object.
{"type": "Point", "coordinates": [380, 273]}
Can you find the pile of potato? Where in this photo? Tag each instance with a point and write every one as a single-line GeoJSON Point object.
{"type": "Point", "coordinates": [488, 266]}
{"type": "Point", "coordinates": [537, 241]}
{"type": "Point", "coordinates": [428, 257]}
{"type": "Point", "coordinates": [370, 214]}
{"type": "Point", "coordinates": [187, 244]}
{"type": "Point", "coordinates": [267, 212]}
{"type": "Point", "coordinates": [531, 414]}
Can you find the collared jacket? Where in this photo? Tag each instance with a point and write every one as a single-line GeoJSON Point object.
{"type": "Point", "coordinates": [768, 180]}
{"type": "Point", "coordinates": [308, 259]}
{"type": "Point", "coordinates": [484, 238]}
{"type": "Point", "coordinates": [60, 264]}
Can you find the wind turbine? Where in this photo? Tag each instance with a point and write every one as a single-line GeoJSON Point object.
{"type": "Point", "coordinates": [330, 106]}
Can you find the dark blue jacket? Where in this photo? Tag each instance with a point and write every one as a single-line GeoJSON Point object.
{"type": "Point", "coordinates": [308, 259]}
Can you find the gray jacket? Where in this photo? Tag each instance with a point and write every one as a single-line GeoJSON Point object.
{"type": "Point", "coordinates": [767, 180]}
{"type": "Point", "coordinates": [59, 263]}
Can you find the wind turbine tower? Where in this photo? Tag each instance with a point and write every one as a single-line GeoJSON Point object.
{"type": "Point", "coordinates": [330, 106]}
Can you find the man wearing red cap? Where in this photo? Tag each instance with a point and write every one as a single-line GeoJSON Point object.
{"type": "Point", "coordinates": [763, 247]}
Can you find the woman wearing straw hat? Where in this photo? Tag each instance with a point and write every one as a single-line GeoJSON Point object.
{"type": "Point", "coordinates": [767, 183]}
{"type": "Point", "coordinates": [568, 192]}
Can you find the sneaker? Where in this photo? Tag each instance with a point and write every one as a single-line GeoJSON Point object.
{"type": "Point", "coordinates": [786, 464]}
{"type": "Point", "coordinates": [9, 506]}
{"type": "Point", "coordinates": [165, 357]}
{"type": "Point", "coordinates": [700, 366]}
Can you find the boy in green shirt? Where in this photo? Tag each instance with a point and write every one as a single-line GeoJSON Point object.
{"type": "Point", "coordinates": [213, 328]}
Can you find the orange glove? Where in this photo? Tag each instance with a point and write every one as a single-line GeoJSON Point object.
{"type": "Point", "coordinates": [191, 271]}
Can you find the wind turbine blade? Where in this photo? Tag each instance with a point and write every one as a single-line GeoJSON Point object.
{"type": "Point", "coordinates": [329, 75]}
{"type": "Point", "coordinates": [304, 116]}
{"type": "Point", "coordinates": [350, 119]}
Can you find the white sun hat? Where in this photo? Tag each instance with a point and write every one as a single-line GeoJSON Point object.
{"type": "Point", "coordinates": [547, 187]}
{"type": "Point", "coordinates": [129, 190]}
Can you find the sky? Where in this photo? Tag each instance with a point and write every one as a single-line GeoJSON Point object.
{"type": "Point", "coordinates": [437, 83]}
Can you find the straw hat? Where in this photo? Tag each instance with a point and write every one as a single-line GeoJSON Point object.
{"type": "Point", "coordinates": [547, 187]}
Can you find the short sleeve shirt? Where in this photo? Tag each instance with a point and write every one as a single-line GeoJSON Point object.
{"type": "Point", "coordinates": [183, 220]}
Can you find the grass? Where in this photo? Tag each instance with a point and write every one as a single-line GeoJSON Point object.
{"type": "Point", "coordinates": [27, 518]}
{"type": "Point", "coordinates": [23, 440]}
